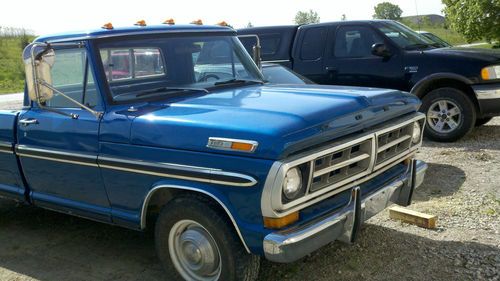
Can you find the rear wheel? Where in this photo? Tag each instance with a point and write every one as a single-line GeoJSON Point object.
{"type": "Point", "coordinates": [450, 114]}
{"type": "Point", "coordinates": [194, 241]}
{"type": "Point", "coordinates": [482, 121]}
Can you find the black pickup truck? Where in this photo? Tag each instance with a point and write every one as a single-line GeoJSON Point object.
{"type": "Point", "coordinates": [459, 87]}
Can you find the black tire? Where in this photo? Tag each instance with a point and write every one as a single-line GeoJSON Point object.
{"type": "Point", "coordinates": [482, 121]}
{"type": "Point", "coordinates": [236, 263]}
{"type": "Point", "coordinates": [465, 122]}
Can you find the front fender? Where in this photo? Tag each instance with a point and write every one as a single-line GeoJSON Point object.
{"type": "Point", "coordinates": [250, 233]}
{"type": "Point", "coordinates": [420, 86]}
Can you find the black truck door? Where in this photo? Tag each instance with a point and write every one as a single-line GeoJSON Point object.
{"type": "Point", "coordinates": [309, 53]}
{"type": "Point", "coordinates": [349, 60]}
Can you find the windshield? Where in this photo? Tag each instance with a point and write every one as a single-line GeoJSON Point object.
{"type": "Point", "coordinates": [438, 41]}
{"type": "Point", "coordinates": [149, 68]}
{"type": "Point", "coordinates": [277, 74]}
{"type": "Point", "coordinates": [403, 36]}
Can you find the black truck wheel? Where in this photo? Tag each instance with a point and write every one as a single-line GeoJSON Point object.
{"type": "Point", "coordinates": [482, 121]}
{"type": "Point", "coordinates": [450, 114]}
{"type": "Point", "coordinates": [194, 241]}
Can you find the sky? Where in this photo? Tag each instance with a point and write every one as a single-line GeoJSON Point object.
{"type": "Point", "coordinates": [49, 16]}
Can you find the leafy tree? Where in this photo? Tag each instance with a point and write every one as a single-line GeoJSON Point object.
{"type": "Point", "coordinates": [475, 19]}
{"type": "Point", "coordinates": [306, 17]}
{"type": "Point", "coordinates": [387, 10]}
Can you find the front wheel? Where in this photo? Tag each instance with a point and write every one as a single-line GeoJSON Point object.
{"type": "Point", "coordinates": [194, 241]}
{"type": "Point", "coordinates": [450, 114]}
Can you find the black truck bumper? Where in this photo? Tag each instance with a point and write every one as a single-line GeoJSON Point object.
{"type": "Point", "coordinates": [488, 96]}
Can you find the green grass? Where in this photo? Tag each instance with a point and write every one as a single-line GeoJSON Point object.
{"type": "Point", "coordinates": [11, 64]}
{"type": "Point", "coordinates": [447, 35]}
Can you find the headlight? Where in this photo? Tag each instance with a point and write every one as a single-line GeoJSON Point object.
{"type": "Point", "coordinates": [490, 72]}
{"type": "Point", "coordinates": [292, 184]}
{"type": "Point", "coordinates": [417, 131]}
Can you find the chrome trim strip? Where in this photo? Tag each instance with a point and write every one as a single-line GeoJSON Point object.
{"type": "Point", "coordinates": [207, 175]}
{"type": "Point", "coordinates": [56, 156]}
{"type": "Point", "coordinates": [271, 204]}
{"type": "Point", "coordinates": [6, 147]}
{"type": "Point", "coordinates": [210, 174]}
{"type": "Point", "coordinates": [153, 190]}
{"type": "Point", "coordinates": [275, 61]}
{"type": "Point", "coordinates": [212, 143]}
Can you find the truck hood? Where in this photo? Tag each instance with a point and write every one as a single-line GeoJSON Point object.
{"type": "Point", "coordinates": [486, 55]}
{"type": "Point", "coordinates": [282, 119]}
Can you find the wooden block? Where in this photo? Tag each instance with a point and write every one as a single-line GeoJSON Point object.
{"type": "Point", "coordinates": [412, 217]}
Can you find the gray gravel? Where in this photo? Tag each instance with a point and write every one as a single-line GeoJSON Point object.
{"type": "Point", "coordinates": [462, 188]}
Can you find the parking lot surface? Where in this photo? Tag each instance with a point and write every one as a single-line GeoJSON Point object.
{"type": "Point", "coordinates": [462, 188]}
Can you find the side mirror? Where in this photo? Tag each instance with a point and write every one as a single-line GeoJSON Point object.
{"type": "Point", "coordinates": [381, 50]}
{"type": "Point", "coordinates": [38, 73]}
{"type": "Point", "coordinates": [256, 49]}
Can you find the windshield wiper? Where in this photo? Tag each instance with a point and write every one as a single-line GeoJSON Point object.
{"type": "Point", "coordinates": [238, 81]}
{"type": "Point", "coordinates": [170, 90]}
{"type": "Point", "coordinates": [417, 46]}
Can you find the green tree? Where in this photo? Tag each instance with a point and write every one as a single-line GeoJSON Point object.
{"type": "Point", "coordinates": [306, 17]}
{"type": "Point", "coordinates": [387, 10]}
{"type": "Point", "coordinates": [475, 19]}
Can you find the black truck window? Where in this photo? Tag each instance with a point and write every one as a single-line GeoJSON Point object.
{"type": "Point", "coordinates": [355, 41]}
{"type": "Point", "coordinates": [313, 43]}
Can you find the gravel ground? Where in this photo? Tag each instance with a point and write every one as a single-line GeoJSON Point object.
{"type": "Point", "coordinates": [462, 188]}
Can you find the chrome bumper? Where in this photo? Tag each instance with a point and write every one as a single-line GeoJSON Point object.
{"type": "Point", "coordinates": [487, 91]}
{"type": "Point", "coordinates": [293, 243]}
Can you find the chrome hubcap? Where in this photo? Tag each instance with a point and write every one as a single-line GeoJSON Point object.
{"type": "Point", "coordinates": [444, 116]}
{"type": "Point", "coordinates": [194, 252]}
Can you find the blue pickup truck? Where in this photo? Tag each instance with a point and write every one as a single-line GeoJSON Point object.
{"type": "Point", "coordinates": [124, 126]}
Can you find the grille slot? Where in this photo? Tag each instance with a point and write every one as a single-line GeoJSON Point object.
{"type": "Point", "coordinates": [393, 143]}
{"type": "Point", "coordinates": [340, 165]}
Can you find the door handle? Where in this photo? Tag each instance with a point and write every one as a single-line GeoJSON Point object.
{"type": "Point", "coordinates": [330, 68]}
{"type": "Point", "coordinates": [27, 122]}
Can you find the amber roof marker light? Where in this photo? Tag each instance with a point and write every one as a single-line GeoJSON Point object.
{"type": "Point", "coordinates": [169, 21]}
{"type": "Point", "coordinates": [140, 23]}
{"type": "Point", "coordinates": [223, 23]}
{"type": "Point", "coordinates": [197, 22]}
{"type": "Point", "coordinates": [107, 26]}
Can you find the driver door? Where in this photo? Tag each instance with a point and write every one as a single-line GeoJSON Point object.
{"type": "Point", "coordinates": [350, 61]}
{"type": "Point", "coordinates": [59, 153]}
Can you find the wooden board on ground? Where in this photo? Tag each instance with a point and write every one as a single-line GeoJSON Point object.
{"type": "Point", "coordinates": [412, 217]}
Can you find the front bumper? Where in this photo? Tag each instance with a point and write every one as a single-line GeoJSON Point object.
{"type": "Point", "coordinates": [488, 96]}
{"type": "Point", "coordinates": [296, 242]}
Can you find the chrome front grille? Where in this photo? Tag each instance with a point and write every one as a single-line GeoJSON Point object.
{"type": "Point", "coordinates": [345, 163]}
{"type": "Point", "coordinates": [349, 162]}
{"type": "Point", "coordinates": [393, 143]}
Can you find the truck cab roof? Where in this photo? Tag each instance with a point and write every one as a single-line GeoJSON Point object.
{"type": "Point", "coordinates": [129, 30]}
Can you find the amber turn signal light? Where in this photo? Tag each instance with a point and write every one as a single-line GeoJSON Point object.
{"type": "Point", "coordinates": [276, 223]}
{"type": "Point", "coordinates": [242, 146]}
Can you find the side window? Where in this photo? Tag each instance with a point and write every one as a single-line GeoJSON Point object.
{"type": "Point", "coordinates": [72, 75]}
{"type": "Point", "coordinates": [355, 42]}
{"type": "Point", "coordinates": [313, 43]}
{"type": "Point", "coordinates": [121, 64]}
{"type": "Point", "coordinates": [270, 43]}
